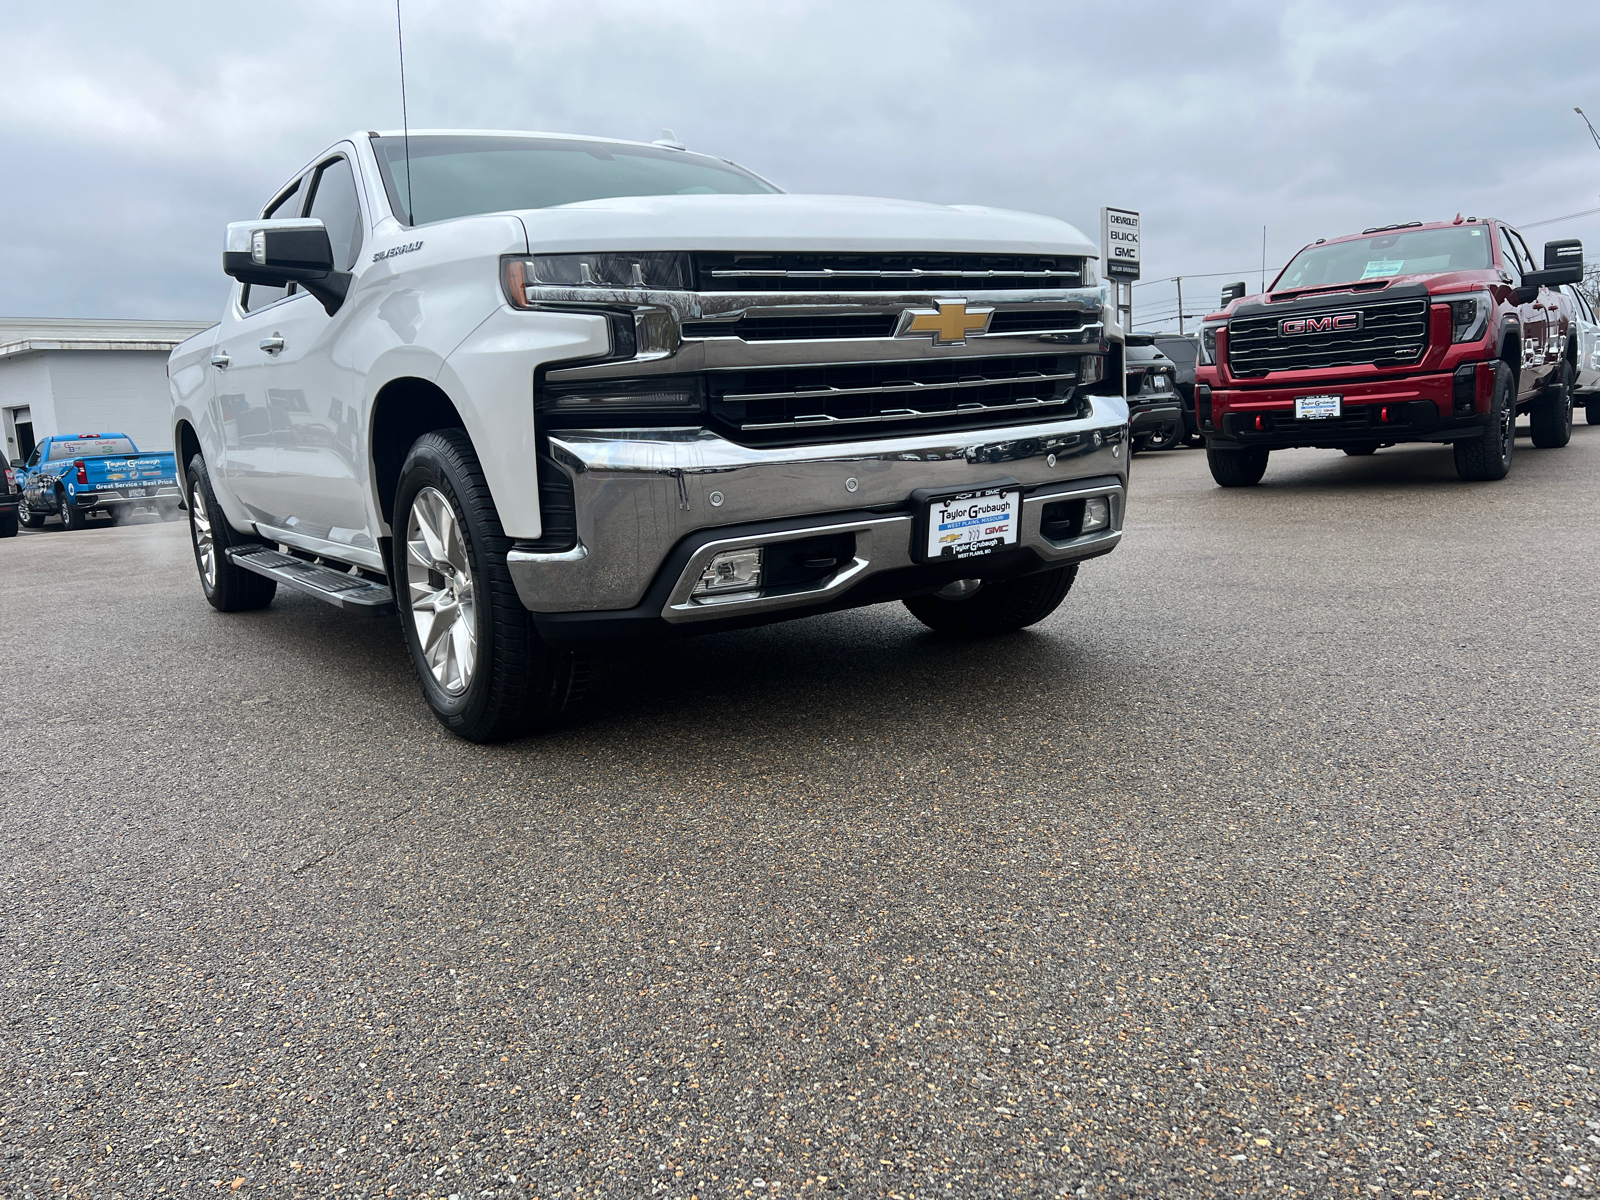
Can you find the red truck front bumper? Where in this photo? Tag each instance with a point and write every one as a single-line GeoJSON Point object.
{"type": "Point", "coordinates": [1437, 407]}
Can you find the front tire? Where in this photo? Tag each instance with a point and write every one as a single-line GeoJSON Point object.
{"type": "Point", "coordinates": [1488, 456]}
{"type": "Point", "coordinates": [1551, 419]}
{"type": "Point", "coordinates": [996, 607]}
{"type": "Point", "coordinates": [8, 524]}
{"type": "Point", "coordinates": [484, 670]}
{"type": "Point", "coordinates": [227, 588]}
{"type": "Point", "coordinates": [1237, 468]}
{"type": "Point", "coordinates": [1591, 412]}
{"type": "Point", "coordinates": [1361, 451]}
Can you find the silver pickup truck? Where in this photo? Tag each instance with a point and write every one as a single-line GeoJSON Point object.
{"type": "Point", "coordinates": [536, 392]}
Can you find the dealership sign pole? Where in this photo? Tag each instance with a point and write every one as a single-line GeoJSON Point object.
{"type": "Point", "coordinates": [1119, 249]}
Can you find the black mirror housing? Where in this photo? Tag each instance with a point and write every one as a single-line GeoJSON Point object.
{"type": "Point", "coordinates": [1234, 291]}
{"type": "Point", "coordinates": [274, 253]}
{"type": "Point", "coordinates": [1566, 253]}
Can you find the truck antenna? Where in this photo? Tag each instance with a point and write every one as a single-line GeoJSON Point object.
{"type": "Point", "coordinates": [405, 120]}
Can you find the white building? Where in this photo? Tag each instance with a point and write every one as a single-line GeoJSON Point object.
{"type": "Point", "coordinates": [86, 376]}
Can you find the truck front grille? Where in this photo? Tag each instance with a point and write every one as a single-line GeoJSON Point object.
{"type": "Point", "coordinates": [919, 273]}
{"type": "Point", "coordinates": [789, 405]}
{"type": "Point", "coordinates": [1392, 333]}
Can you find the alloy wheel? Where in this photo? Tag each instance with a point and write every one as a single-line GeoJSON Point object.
{"type": "Point", "coordinates": [205, 546]}
{"type": "Point", "coordinates": [24, 513]}
{"type": "Point", "coordinates": [438, 576]}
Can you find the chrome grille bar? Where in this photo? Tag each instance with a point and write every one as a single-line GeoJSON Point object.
{"type": "Point", "coordinates": [905, 414]}
{"type": "Point", "coordinates": [906, 273]}
{"type": "Point", "coordinates": [975, 381]}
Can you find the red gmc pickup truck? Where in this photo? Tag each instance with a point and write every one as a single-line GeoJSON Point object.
{"type": "Point", "coordinates": [1403, 333]}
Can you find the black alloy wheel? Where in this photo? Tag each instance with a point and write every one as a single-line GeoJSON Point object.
{"type": "Point", "coordinates": [1168, 437]}
{"type": "Point", "coordinates": [1487, 456]}
{"type": "Point", "coordinates": [1551, 419]}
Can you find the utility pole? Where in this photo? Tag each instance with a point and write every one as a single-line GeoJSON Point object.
{"type": "Point", "coordinates": [1180, 305]}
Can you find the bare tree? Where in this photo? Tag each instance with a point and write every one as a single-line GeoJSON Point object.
{"type": "Point", "coordinates": [1590, 286]}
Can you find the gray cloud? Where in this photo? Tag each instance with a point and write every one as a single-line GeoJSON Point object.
{"type": "Point", "coordinates": [132, 133]}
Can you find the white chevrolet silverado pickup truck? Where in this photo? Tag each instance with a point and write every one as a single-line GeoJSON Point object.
{"type": "Point", "coordinates": [536, 392]}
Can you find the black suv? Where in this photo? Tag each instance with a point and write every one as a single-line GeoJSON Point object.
{"type": "Point", "coordinates": [1155, 412]}
{"type": "Point", "coordinates": [1184, 351]}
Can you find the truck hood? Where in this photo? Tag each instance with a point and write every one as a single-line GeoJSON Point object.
{"type": "Point", "coordinates": [1437, 283]}
{"type": "Point", "coordinates": [789, 222]}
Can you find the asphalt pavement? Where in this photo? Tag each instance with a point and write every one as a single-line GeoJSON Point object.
{"type": "Point", "coordinates": [1267, 865]}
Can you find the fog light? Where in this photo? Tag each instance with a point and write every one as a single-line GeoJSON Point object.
{"type": "Point", "coordinates": [730, 571]}
{"type": "Point", "coordinates": [1096, 514]}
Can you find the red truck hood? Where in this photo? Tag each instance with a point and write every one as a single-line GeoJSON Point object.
{"type": "Point", "coordinates": [1448, 283]}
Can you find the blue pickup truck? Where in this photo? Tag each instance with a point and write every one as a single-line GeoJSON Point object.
{"type": "Point", "coordinates": [75, 476]}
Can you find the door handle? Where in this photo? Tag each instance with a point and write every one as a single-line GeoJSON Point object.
{"type": "Point", "coordinates": [272, 344]}
{"type": "Point", "coordinates": [220, 360]}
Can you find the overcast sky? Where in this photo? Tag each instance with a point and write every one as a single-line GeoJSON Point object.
{"type": "Point", "coordinates": [132, 133]}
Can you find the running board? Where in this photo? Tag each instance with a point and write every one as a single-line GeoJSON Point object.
{"type": "Point", "coordinates": [325, 583]}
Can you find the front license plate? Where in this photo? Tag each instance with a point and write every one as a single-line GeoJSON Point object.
{"type": "Point", "coordinates": [1316, 408]}
{"type": "Point", "coordinates": [973, 523]}
{"type": "Point", "coordinates": [135, 491]}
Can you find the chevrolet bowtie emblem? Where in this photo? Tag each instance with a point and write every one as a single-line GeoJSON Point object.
{"type": "Point", "coordinates": [950, 324]}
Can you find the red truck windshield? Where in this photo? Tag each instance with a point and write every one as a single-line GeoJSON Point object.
{"type": "Point", "coordinates": [79, 448]}
{"type": "Point", "coordinates": [1413, 252]}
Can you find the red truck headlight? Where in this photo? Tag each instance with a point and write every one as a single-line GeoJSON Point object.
{"type": "Point", "coordinates": [1469, 315]}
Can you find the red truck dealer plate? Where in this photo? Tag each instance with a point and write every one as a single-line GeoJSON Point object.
{"type": "Point", "coordinates": [1316, 408]}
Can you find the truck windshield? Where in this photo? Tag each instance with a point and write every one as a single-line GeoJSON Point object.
{"type": "Point", "coordinates": [460, 175]}
{"type": "Point", "coordinates": [90, 448]}
{"type": "Point", "coordinates": [1411, 252]}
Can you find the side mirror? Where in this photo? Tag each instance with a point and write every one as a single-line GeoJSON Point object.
{"type": "Point", "coordinates": [1563, 263]}
{"type": "Point", "coordinates": [17, 464]}
{"type": "Point", "coordinates": [1232, 292]}
{"type": "Point", "coordinates": [275, 253]}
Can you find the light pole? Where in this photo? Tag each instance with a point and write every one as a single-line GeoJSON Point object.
{"type": "Point", "coordinates": [1590, 124]}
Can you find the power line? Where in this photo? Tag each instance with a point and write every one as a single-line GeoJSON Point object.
{"type": "Point", "coordinates": [1588, 212]}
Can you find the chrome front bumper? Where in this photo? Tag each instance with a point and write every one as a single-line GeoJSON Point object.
{"type": "Point", "coordinates": [639, 493]}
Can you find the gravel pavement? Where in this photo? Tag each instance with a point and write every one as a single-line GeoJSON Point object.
{"type": "Point", "coordinates": [1266, 866]}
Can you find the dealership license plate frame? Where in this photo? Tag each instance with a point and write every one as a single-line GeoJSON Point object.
{"type": "Point", "coordinates": [1325, 406]}
{"type": "Point", "coordinates": [928, 501]}
{"type": "Point", "coordinates": [136, 493]}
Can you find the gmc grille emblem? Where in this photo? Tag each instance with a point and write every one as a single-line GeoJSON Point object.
{"type": "Point", "coordinates": [1331, 323]}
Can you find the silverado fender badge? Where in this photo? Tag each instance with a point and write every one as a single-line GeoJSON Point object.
{"type": "Point", "coordinates": [950, 324]}
{"type": "Point", "coordinates": [1331, 323]}
{"type": "Point", "coordinates": [393, 250]}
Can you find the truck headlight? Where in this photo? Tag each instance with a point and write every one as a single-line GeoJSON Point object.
{"type": "Point", "coordinates": [1469, 316]}
{"type": "Point", "coordinates": [666, 394]}
{"type": "Point", "coordinates": [621, 272]}
{"type": "Point", "coordinates": [1208, 342]}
